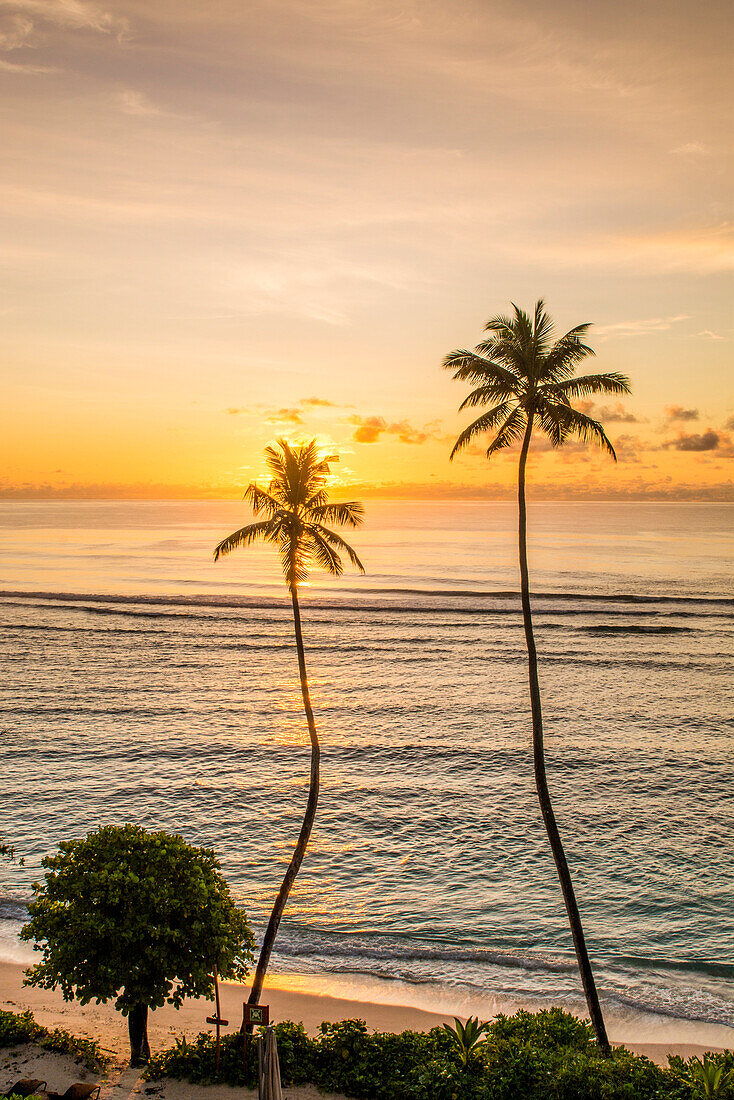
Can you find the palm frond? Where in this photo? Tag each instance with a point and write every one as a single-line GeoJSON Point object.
{"type": "Point", "coordinates": [542, 329]}
{"type": "Point", "coordinates": [552, 423]}
{"type": "Point", "coordinates": [260, 500]}
{"type": "Point", "coordinates": [506, 350]}
{"type": "Point", "coordinates": [337, 541]}
{"type": "Point", "coordinates": [317, 499]}
{"type": "Point", "coordinates": [587, 384]}
{"type": "Point", "coordinates": [561, 360]}
{"type": "Point", "coordinates": [588, 430]}
{"type": "Point", "coordinates": [323, 554]}
{"type": "Point", "coordinates": [349, 513]}
{"type": "Point", "coordinates": [510, 432]}
{"type": "Point", "coordinates": [244, 537]}
{"type": "Point", "coordinates": [484, 423]}
{"type": "Point", "coordinates": [468, 366]}
{"type": "Point", "coordinates": [275, 459]}
{"type": "Point", "coordinates": [523, 329]}
{"type": "Point", "coordinates": [483, 395]}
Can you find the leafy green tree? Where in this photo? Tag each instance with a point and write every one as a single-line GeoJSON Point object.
{"type": "Point", "coordinates": [523, 379]}
{"type": "Point", "coordinates": [136, 916]}
{"type": "Point", "coordinates": [296, 509]}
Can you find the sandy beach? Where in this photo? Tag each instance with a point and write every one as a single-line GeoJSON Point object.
{"type": "Point", "coordinates": [106, 1025]}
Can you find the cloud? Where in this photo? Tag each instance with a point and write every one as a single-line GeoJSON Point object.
{"type": "Point", "coordinates": [318, 402]}
{"type": "Point", "coordinates": [706, 441]}
{"type": "Point", "coordinates": [627, 448]}
{"type": "Point", "coordinates": [646, 327]}
{"type": "Point", "coordinates": [642, 488]}
{"type": "Point", "coordinates": [608, 413]}
{"type": "Point", "coordinates": [700, 250]}
{"type": "Point", "coordinates": [677, 412]}
{"type": "Point", "coordinates": [710, 335]}
{"type": "Point", "coordinates": [16, 67]}
{"type": "Point", "coordinates": [75, 14]}
{"type": "Point", "coordinates": [370, 428]}
{"type": "Point", "coordinates": [15, 32]}
{"type": "Point", "coordinates": [135, 103]}
{"type": "Point", "coordinates": [285, 416]}
{"type": "Point", "coordinates": [406, 433]}
{"type": "Point", "coordinates": [293, 415]}
{"type": "Point", "coordinates": [692, 149]}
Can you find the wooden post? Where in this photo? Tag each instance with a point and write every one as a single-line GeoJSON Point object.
{"type": "Point", "coordinates": [217, 1019]}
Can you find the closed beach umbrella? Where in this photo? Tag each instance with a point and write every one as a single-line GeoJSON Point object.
{"type": "Point", "coordinates": [268, 1066]}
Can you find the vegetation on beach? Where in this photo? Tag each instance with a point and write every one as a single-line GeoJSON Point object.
{"type": "Point", "coordinates": [20, 1028]}
{"type": "Point", "coordinates": [523, 379]}
{"type": "Point", "coordinates": [549, 1055]}
{"type": "Point", "coordinates": [467, 1037]}
{"type": "Point", "coordinates": [142, 918]}
{"type": "Point", "coordinates": [296, 510]}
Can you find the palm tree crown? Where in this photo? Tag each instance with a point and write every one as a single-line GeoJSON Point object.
{"type": "Point", "coordinates": [296, 508]}
{"type": "Point", "coordinates": [524, 376]}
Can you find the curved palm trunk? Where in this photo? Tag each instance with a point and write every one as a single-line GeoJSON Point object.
{"type": "Point", "coordinates": [303, 837]}
{"type": "Point", "coordinates": [549, 820]}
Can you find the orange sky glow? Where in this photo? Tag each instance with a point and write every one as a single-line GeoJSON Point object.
{"type": "Point", "coordinates": [226, 223]}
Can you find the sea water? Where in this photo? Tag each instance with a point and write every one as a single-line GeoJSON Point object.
{"type": "Point", "coordinates": [143, 683]}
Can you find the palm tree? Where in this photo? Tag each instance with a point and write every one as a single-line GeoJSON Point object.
{"type": "Point", "coordinates": [296, 508]}
{"type": "Point", "coordinates": [526, 379]}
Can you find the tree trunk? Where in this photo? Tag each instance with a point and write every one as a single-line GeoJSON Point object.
{"type": "Point", "coordinates": [541, 783]}
{"type": "Point", "coordinates": [303, 837]}
{"type": "Point", "coordinates": [137, 1024]}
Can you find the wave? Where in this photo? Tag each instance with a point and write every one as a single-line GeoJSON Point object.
{"type": "Point", "coordinates": [306, 944]}
{"type": "Point", "coordinates": [312, 600]}
{"type": "Point", "coordinates": [13, 908]}
{"type": "Point", "coordinates": [635, 628]}
{"type": "Point", "coordinates": [185, 617]}
{"type": "Point", "coordinates": [534, 977]}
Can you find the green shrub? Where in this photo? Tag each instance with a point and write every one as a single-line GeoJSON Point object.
{"type": "Point", "coordinates": [622, 1076]}
{"type": "Point", "coordinates": [196, 1061]}
{"type": "Point", "coordinates": [549, 1029]}
{"type": "Point", "coordinates": [702, 1078]}
{"type": "Point", "coordinates": [19, 1028]}
{"type": "Point", "coordinates": [387, 1066]}
{"type": "Point", "coordinates": [548, 1055]}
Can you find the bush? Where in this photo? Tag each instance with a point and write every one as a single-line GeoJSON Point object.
{"type": "Point", "coordinates": [548, 1055]}
{"type": "Point", "coordinates": [136, 917]}
{"type": "Point", "coordinates": [196, 1061]}
{"type": "Point", "coordinates": [19, 1028]}
{"type": "Point", "coordinates": [550, 1029]}
{"type": "Point", "coordinates": [694, 1074]}
{"type": "Point", "coordinates": [368, 1065]}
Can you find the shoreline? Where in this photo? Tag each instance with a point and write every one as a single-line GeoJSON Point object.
{"type": "Point", "coordinates": [292, 998]}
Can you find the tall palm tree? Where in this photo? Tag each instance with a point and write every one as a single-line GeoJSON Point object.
{"type": "Point", "coordinates": [527, 379]}
{"type": "Point", "coordinates": [296, 508]}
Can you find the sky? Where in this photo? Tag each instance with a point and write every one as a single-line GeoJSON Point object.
{"type": "Point", "coordinates": [224, 222]}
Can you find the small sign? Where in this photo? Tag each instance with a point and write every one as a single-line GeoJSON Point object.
{"type": "Point", "coordinates": [257, 1015]}
{"type": "Point", "coordinates": [217, 1020]}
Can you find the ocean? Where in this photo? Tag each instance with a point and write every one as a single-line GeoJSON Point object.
{"type": "Point", "coordinates": [141, 682]}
